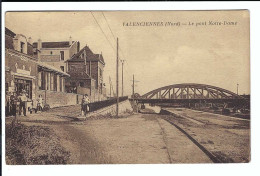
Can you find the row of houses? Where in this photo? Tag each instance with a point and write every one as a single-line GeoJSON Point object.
{"type": "Point", "coordinates": [59, 71]}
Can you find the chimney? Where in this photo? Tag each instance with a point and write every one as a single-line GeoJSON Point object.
{"type": "Point", "coordinates": [70, 40]}
{"type": "Point", "coordinates": [30, 40]}
{"type": "Point", "coordinates": [39, 44]}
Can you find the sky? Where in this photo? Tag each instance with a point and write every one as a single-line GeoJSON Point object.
{"type": "Point", "coordinates": [158, 56]}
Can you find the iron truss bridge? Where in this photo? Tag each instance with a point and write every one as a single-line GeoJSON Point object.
{"type": "Point", "coordinates": [191, 93]}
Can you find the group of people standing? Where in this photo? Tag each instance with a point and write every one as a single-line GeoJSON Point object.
{"type": "Point", "coordinates": [18, 102]}
{"type": "Point", "coordinates": [12, 102]}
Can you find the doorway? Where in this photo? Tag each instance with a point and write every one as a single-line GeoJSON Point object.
{"type": "Point", "coordinates": [22, 84]}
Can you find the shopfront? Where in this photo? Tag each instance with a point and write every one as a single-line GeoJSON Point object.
{"type": "Point", "coordinates": [22, 73]}
{"type": "Point", "coordinates": [23, 84]}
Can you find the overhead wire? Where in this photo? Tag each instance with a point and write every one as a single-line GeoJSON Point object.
{"type": "Point", "coordinates": [112, 33]}
{"type": "Point", "coordinates": [108, 39]}
{"type": "Point", "coordinates": [102, 30]}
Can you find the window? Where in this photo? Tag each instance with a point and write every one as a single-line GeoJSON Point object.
{"type": "Point", "coordinates": [47, 81]}
{"type": "Point", "coordinates": [61, 55]}
{"type": "Point", "coordinates": [52, 81]}
{"type": "Point", "coordinates": [61, 83]}
{"type": "Point", "coordinates": [101, 86]}
{"type": "Point", "coordinates": [51, 52]}
{"type": "Point", "coordinates": [62, 68]}
{"type": "Point", "coordinates": [81, 84]}
{"type": "Point", "coordinates": [39, 78]}
{"type": "Point", "coordinates": [100, 72]}
{"type": "Point", "coordinates": [55, 82]}
{"type": "Point", "coordinates": [73, 68]}
{"type": "Point", "coordinates": [43, 82]}
{"type": "Point", "coordinates": [22, 47]}
{"type": "Point", "coordinates": [21, 84]}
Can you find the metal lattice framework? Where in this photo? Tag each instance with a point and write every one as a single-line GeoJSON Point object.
{"type": "Point", "coordinates": [190, 91]}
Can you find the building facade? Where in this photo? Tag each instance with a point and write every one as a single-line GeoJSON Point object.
{"type": "Point", "coordinates": [24, 71]}
{"type": "Point", "coordinates": [86, 74]}
{"type": "Point", "coordinates": [56, 53]}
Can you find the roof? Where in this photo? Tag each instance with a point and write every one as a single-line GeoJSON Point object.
{"type": "Point", "coordinates": [89, 55]}
{"type": "Point", "coordinates": [65, 44]}
{"type": "Point", "coordinates": [98, 57]}
{"type": "Point", "coordinates": [9, 32]}
{"type": "Point", "coordinates": [42, 64]}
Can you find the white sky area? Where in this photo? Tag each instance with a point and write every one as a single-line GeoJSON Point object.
{"type": "Point", "coordinates": [157, 55]}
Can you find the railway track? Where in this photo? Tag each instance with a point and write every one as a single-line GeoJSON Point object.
{"type": "Point", "coordinates": [213, 157]}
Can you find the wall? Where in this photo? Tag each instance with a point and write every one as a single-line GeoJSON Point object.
{"type": "Point", "coordinates": [123, 107]}
{"type": "Point", "coordinates": [17, 43]}
{"type": "Point", "coordinates": [77, 69]}
{"type": "Point", "coordinates": [29, 49]}
{"type": "Point", "coordinates": [55, 51]}
{"type": "Point", "coordinates": [83, 90]}
{"type": "Point", "coordinates": [94, 72]}
{"type": "Point", "coordinates": [9, 42]}
{"type": "Point", "coordinates": [57, 99]}
{"type": "Point", "coordinates": [73, 49]}
{"type": "Point", "coordinates": [54, 59]}
{"type": "Point", "coordinates": [50, 58]}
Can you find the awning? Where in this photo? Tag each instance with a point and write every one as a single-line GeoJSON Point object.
{"type": "Point", "coordinates": [19, 75]}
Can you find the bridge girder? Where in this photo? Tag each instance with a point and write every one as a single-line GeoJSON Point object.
{"type": "Point", "coordinates": [190, 91]}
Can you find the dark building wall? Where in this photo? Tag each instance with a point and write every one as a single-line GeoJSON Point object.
{"type": "Point", "coordinates": [12, 60]}
{"type": "Point", "coordinates": [77, 69]}
{"type": "Point", "coordinates": [9, 42]}
{"type": "Point", "coordinates": [30, 49]}
{"type": "Point", "coordinates": [94, 72]}
{"type": "Point", "coordinates": [74, 49]}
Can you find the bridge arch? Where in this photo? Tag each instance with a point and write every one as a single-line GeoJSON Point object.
{"type": "Point", "coordinates": [190, 91]}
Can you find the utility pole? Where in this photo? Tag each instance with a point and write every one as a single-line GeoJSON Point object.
{"type": "Point", "coordinates": [109, 87]}
{"type": "Point", "coordinates": [122, 77]}
{"type": "Point", "coordinates": [117, 96]}
{"type": "Point", "coordinates": [133, 86]}
{"type": "Point", "coordinates": [237, 88]}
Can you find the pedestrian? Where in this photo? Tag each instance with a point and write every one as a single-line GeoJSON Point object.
{"type": "Point", "coordinates": [85, 105]}
{"type": "Point", "coordinates": [39, 103]}
{"type": "Point", "coordinates": [7, 104]}
{"type": "Point", "coordinates": [13, 104]}
{"type": "Point", "coordinates": [23, 99]}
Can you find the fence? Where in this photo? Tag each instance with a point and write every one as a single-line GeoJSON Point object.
{"type": "Point", "coordinates": [102, 104]}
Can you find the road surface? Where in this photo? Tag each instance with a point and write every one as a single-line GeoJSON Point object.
{"type": "Point", "coordinates": [132, 139]}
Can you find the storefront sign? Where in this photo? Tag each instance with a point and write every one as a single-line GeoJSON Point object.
{"type": "Point", "coordinates": [24, 72]}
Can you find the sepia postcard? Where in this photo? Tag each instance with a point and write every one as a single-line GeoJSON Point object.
{"type": "Point", "coordinates": [127, 87]}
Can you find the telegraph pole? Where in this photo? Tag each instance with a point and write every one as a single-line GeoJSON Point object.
{"type": "Point", "coordinates": [133, 86]}
{"type": "Point", "coordinates": [109, 87]}
{"type": "Point", "coordinates": [237, 88]}
{"type": "Point", "coordinates": [122, 77]}
{"type": "Point", "coordinates": [117, 96]}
